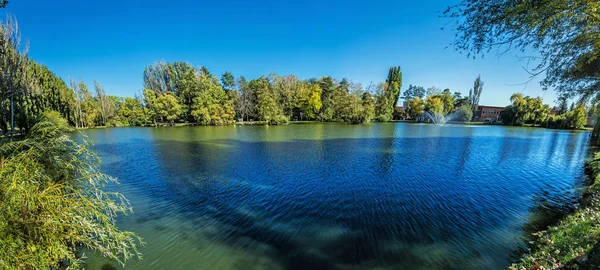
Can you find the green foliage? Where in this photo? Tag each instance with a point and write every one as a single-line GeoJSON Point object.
{"type": "Point", "coordinates": [475, 94]}
{"type": "Point", "coordinates": [167, 108]}
{"type": "Point", "coordinates": [564, 33]}
{"type": "Point", "coordinates": [434, 105]}
{"type": "Point", "coordinates": [464, 113]}
{"type": "Point", "coordinates": [399, 113]}
{"type": "Point", "coordinates": [313, 103]}
{"type": "Point", "coordinates": [358, 108]}
{"type": "Point", "coordinates": [415, 107]}
{"type": "Point", "coordinates": [331, 99]}
{"type": "Point", "coordinates": [228, 81]}
{"type": "Point", "coordinates": [413, 92]}
{"type": "Point", "coordinates": [388, 95]}
{"type": "Point", "coordinates": [441, 103]}
{"type": "Point", "coordinates": [212, 106]}
{"type": "Point", "coordinates": [268, 109]}
{"type": "Point", "coordinates": [525, 109]}
{"type": "Point", "coordinates": [52, 202]}
{"type": "Point", "coordinates": [575, 119]}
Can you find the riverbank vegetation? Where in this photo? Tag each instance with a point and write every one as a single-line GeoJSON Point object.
{"type": "Point", "coordinates": [528, 110]}
{"type": "Point", "coordinates": [52, 205]}
{"type": "Point", "coordinates": [574, 243]}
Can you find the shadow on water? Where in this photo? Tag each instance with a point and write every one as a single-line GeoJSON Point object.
{"type": "Point", "coordinates": [436, 202]}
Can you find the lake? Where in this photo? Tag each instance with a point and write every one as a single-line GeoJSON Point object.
{"type": "Point", "coordinates": [337, 196]}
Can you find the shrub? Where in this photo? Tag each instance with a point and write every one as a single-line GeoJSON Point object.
{"type": "Point", "coordinates": [51, 202]}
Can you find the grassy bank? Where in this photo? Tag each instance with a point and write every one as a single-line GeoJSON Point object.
{"type": "Point", "coordinates": [574, 243]}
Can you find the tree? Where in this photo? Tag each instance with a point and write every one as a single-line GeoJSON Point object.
{"type": "Point", "coordinates": [508, 115]}
{"type": "Point", "coordinates": [432, 91]}
{"type": "Point", "coordinates": [577, 118]}
{"type": "Point", "coordinates": [562, 105]}
{"type": "Point", "coordinates": [246, 106]}
{"type": "Point", "coordinates": [150, 100]}
{"type": "Point", "coordinates": [212, 106]}
{"type": "Point", "coordinates": [519, 103]}
{"type": "Point", "coordinates": [415, 108]}
{"type": "Point", "coordinates": [356, 110]}
{"type": "Point", "coordinates": [167, 108]}
{"type": "Point", "coordinates": [475, 93]}
{"type": "Point", "coordinates": [537, 110]}
{"type": "Point", "coordinates": [389, 95]}
{"type": "Point", "coordinates": [464, 113]}
{"type": "Point", "coordinates": [314, 103]}
{"type": "Point", "coordinates": [52, 202]}
{"type": "Point", "coordinates": [227, 81]}
{"type": "Point", "coordinates": [106, 108]}
{"type": "Point", "coordinates": [13, 66]}
{"type": "Point", "coordinates": [414, 91]}
{"type": "Point", "coordinates": [331, 98]}
{"type": "Point", "coordinates": [88, 107]}
{"type": "Point", "coordinates": [268, 109]}
{"type": "Point", "coordinates": [564, 33]}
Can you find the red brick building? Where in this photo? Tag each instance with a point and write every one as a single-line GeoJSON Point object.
{"type": "Point", "coordinates": [487, 113]}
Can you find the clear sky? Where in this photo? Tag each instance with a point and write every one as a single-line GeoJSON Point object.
{"type": "Point", "coordinates": [112, 42]}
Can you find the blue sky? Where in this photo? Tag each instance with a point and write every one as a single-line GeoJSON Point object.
{"type": "Point", "coordinates": [113, 41]}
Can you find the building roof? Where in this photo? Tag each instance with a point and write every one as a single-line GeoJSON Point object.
{"type": "Point", "coordinates": [490, 107]}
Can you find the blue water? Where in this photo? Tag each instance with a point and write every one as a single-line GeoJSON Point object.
{"type": "Point", "coordinates": [336, 196]}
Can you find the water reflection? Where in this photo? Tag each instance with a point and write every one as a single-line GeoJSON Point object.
{"type": "Point", "coordinates": [381, 196]}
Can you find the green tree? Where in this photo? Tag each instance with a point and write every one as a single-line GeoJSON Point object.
{"type": "Point", "coordinates": [212, 106]}
{"type": "Point", "coordinates": [167, 108]}
{"type": "Point", "coordinates": [415, 108]}
{"type": "Point", "coordinates": [52, 202]}
{"type": "Point", "coordinates": [519, 104]}
{"type": "Point", "coordinates": [268, 109]}
{"type": "Point", "coordinates": [355, 111]}
{"type": "Point", "coordinates": [414, 91]}
{"type": "Point", "coordinates": [227, 81]}
{"type": "Point", "coordinates": [331, 98]}
{"type": "Point", "coordinates": [246, 106]}
{"type": "Point", "coordinates": [313, 104]}
{"type": "Point", "coordinates": [475, 94]}
{"type": "Point", "coordinates": [105, 108]}
{"type": "Point", "coordinates": [577, 118]}
{"type": "Point", "coordinates": [564, 34]}
{"type": "Point", "coordinates": [434, 105]}
{"type": "Point", "coordinates": [464, 113]}
{"type": "Point", "coordinates": [562, 105]}
{"type": "Point", "coordinates": [389, 94]}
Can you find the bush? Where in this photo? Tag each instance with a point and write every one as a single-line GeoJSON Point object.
{"type": "Point", "coordinates": [51, 202]}
{"type": "Point", "coordinates": [463, 114]}
{"type": "Point", "coordinates": [575, 119]}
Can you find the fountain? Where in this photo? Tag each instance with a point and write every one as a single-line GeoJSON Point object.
{"type": "Point", "coordinates": [441, 119]}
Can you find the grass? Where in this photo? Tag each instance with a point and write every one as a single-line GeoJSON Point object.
{"type": "Point", "coordinates": [574, 243]}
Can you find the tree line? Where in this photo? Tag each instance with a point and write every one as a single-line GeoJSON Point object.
{"type": "Point", "coordinates": [180, 93]}
{"type": "Point", "coordinates": [529, 110]}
